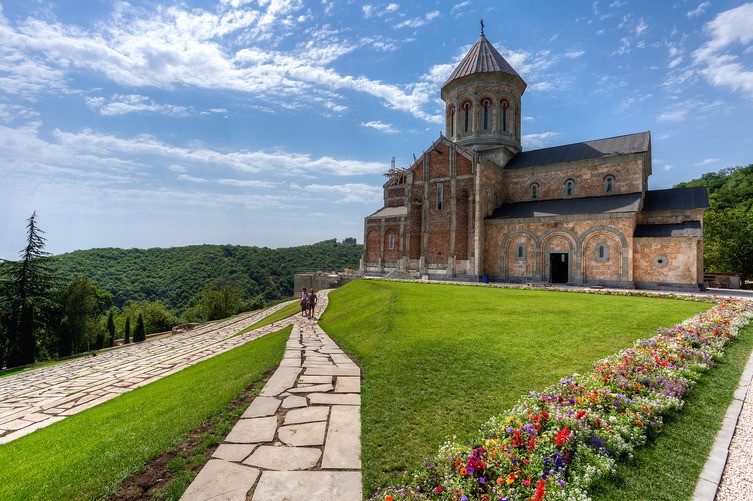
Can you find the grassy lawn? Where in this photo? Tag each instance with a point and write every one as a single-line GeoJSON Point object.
{"type": "Point", "coordinates": [280, 314]}
{"type": "Point", "coordinates": [668, 468]}
{"type": "Point", "coordinates": [87, 455]}
{"type": "Point", "coordinates": [441, 359]}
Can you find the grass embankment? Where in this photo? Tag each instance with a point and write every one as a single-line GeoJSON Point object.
{"type": "Point", "coordinates": [668, 467]}
{"type": "Point", "coordinates": [441, 359]}
{"type": "Point", "coordinates": [87, 455]}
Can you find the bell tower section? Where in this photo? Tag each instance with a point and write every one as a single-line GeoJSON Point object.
{"type": "Point", "coordinates": [482, 100]}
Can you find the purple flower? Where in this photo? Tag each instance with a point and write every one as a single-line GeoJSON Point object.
{"type": "Point", "coordinates": [482, 480]}
{"type": "Point", "coordinates": [562, 483]}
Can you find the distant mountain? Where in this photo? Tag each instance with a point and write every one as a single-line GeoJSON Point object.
{"type": "Point", "coordinates": [174, 275]}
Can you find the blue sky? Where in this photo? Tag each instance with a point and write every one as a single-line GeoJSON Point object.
{"type": "Point", "coordinates": [271, 122]}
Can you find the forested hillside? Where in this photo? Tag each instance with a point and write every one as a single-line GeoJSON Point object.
{"type": "Point", "coordinates": [728, 224]}
{"type": "Point", "coordinates": [175, 275]}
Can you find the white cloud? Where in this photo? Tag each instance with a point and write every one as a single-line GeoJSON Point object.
{"type": "Point", "coordinates": [417, 22]}
{"type": "Point", "coordinates": [720, 66]}
{"type": "Point", "coordinates": [120, 104]}
{"type": "Point", "coordinates": [706, 161]}
{"type": "Point", "coordinates": [539, 140]}
{"type": "Point", "coordinates": [679, 111]}
{"type": "Point", "coordinates": [368, 10]}
{"type": "Point", "coordinates": [392, 7]}
{"type": "Point", "coordinates": [352, 192]}
{"type": "Point", "coordinates": [698, 10]}
{"type": "Point", "coordinates": [380, 126]}
{"type": "Point", "coordinates": [574, 54]}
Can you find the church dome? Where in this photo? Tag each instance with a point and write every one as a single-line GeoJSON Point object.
{"type": "Point", "coordinates": [482, 58]}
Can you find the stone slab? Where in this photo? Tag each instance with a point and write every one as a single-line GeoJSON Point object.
{"type": "Point", "coordinates": [307, 415]}
{"type": "Point", "coordinates": [315, 379]}
{"type": "Point", "coordinates": [221, 480]}
{"type": "Point", "coordinates": [309, 486]}
{"type": "Point", "coordinates": [233, 452]}
{"type": "Point", "coordinates": [335, 399]}
{"type": "Point", "coordinates": [294, 401]}
{"type": "Point", "coordinates": [254, 430]}
{"type": "Point", "coordinates": [348, 384]}
{"type": "Point", "coordinates": [342, 449]}
{"type": "Point", "coordinates": [284, 458]}
{"type": "Point", "coordinates": [281, 380]}
{"type": "Point", "coordinates": [302, 435]}
{"type": "Point", "coordinates": [262, 406]}
{"type": "Point", "coordinates": [317, 388]}
{"type": "Point", "coordinates": [333, 371]}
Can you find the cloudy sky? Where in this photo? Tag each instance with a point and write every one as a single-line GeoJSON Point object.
{"type": "Point", "coordinates": [271, 122]}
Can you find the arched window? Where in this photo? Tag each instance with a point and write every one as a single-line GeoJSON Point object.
{"type": "Point", "coordinates": [392, 241]}
{"type": "Point", "coordinates": [452, 122]}
{"type": "Point", "coordinates": [505, 105]}
{"type": "Point", "coordinates": [440, 196]}
{"type": "Point", "coordinates": [534, 191]}
{"type": "Point", "coordinates": [487, 104]}
{"type": "Point", "coordinates": [466, 116]}
{"type": "Point", "coordinates": [608, 184]}
{"type": "Point", "coordinates": [569, 188]}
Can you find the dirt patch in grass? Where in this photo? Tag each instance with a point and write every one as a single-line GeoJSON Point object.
{"type": "Point", "coordinates": [168, 475]}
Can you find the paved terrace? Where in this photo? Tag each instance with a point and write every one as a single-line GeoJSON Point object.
{"type": "Point", "coordinates": [34, 399]}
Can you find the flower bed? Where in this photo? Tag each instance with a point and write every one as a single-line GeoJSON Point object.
{"type": "Point", "coordinates": [554, 444]}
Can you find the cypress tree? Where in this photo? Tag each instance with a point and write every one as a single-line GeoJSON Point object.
{"type": "Point", "coordinates": [139, 334]}
{"type": "Point", "coordinates": [27, 292]}
{"type": "Point", "coordinates": [111, 329]}
{"type": "Point", "coordinates": [127, 338]}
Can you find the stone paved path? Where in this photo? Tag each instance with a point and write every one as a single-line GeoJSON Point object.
{"type": "Point", "coordinates": [300, 438]}
{"type": "Point", "coordinates": [38, 398]}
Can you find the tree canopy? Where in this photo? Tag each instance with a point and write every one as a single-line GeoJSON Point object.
{"type": "Point", "coordinates": [728, 223]}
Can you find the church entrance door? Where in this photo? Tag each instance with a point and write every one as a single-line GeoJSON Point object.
{"type": "Point", "coordinates": [558, 267]}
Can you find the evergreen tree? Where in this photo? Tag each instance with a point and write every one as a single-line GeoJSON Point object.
{"type": "Point", "coordinates": [111, 329]}
{"type": "Point", "coordinates": [139, 334]}
{"type": "Point", "coordinates": [27, 291]}
{"type": "Point", "coordinates": [127, 338]}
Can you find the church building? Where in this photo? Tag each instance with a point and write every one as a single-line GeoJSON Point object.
{"type": "Point", "coordinates": [476, 206]}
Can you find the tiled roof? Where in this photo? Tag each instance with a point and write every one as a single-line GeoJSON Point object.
{"type": "Point", "coordinates": [482, 58]}
{"type": "Point", "coordinates": [570, 206]}
{"type": "Point", "coordinates": [686, 229]}
{"type": "Point", "coordinates": [390, 212]}
{"type": "Point", "coordinates": [620, 145]}
{"type": "Point", "coordinates": [695, 197]}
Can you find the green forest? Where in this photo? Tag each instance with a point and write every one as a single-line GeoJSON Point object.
{"type": "Point", "coordinates": [728, 223]}
{"type": "Point", "coordinates": [56, 306]}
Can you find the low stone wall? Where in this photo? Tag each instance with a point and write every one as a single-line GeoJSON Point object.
{"type": "Point", "coordinates": [319, 281]}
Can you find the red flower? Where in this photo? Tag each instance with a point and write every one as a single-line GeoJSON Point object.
{"type": "Point", "coordinates": [563, 437]}
{"type": "Point", "coordinates": [580, 414]}
{"type": "Point", "coordinates": [539, 495]}
{"type": "Point", "coordinates": [439, 488]}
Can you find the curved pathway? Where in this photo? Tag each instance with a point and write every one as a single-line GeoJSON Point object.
{"type": "Point", "coordinates": [300, 438]}
{"type": "Point", "coordinates": [37, 398]}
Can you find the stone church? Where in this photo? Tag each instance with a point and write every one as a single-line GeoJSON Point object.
{"type": "Point", "coordinates": [475, 206]}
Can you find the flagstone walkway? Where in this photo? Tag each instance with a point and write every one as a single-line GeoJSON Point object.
{"type": "Point", "coordinates": [300, 438]}
{"type": "Point", "coordinates": [34, 399]}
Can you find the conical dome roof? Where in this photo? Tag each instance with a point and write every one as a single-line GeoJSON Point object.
{"type": "Point", "coordinates": [482, 58]}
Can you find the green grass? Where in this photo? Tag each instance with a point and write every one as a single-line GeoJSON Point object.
{"type": "Point", "coordinates": [668, 468]}
{"type": "Point", "coordinates": [87, 455]}
{"type": "Point", "coordinates": [441, 359]}
{"type": "Point", "coordinates": [280, 314]}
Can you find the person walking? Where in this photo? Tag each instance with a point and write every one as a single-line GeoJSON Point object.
{"type": "Point", "coordinates": [304, 302]}
{"type": "Point", "coordinates": [312, 303]}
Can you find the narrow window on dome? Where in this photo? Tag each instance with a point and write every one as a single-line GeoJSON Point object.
{"type": "Point", "coordinates": [466, 110]}
{"type": "Point", "coordinates": [452, 123]}
{"type": "Point", "coordinates": [486, 114]}
{"type": "Point", "coordinates": [392, 241]}
{"type": "Point", "coordinates": [504, 116]}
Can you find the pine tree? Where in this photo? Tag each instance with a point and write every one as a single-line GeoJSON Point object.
{"type": "Point", "coordinates": [27, 292]}
{"type": "Point", "coordinates": [127, 338]}
{"type": "Point", "coordinates": [111, 329]}
{"type": "Point", "coordinates": [139, 334]}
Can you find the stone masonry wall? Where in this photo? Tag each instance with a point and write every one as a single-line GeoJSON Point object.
{"type": "Point", "coordinates": [666, 261]}
{"type": "Point", "coordinates": [589, 180]}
